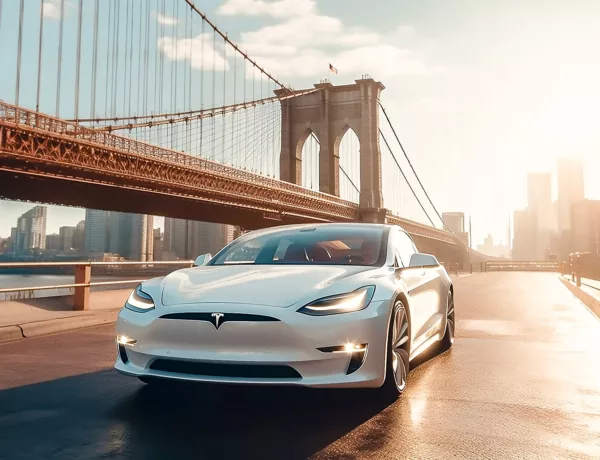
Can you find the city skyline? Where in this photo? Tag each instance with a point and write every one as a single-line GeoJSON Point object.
{"type": "Point", "coordinates": [497, 106]}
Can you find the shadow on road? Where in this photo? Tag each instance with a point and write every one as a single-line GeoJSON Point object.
{"type": "Point", "coordinates": [106, 415]}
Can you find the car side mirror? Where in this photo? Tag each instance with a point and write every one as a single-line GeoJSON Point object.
{"type": "Point", "coordinates": [202, 260]}
{"type": "Point", "coordinates": [423, 260]}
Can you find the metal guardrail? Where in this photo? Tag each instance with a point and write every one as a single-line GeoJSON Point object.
{"type": "Point", "coordinates": [83, 274]}
{"type": "Point", "coordinates": [514, 265]}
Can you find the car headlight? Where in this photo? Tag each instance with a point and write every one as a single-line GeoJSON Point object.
{"type": "Point", "coordinates": [139, 301]}
{"type": "Point", "coordinates": [341, 303]}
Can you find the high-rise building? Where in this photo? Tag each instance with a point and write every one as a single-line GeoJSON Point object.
{"type": "Point", "coordinates": [541, 212]}
{"type": "Point", "coordinates": [525, 230]}
{"type": "Point", "coordinates": [96, 231]}
{"type": "Point", "coordinates": [585, 226]}
{"type": "Point", "coordinates": [78, 243]}
{"type": "Point", "coordinates": [131, 236]}
{"type": "Point", "coordinates": [30, 232]}
{"type": "Point", "coordinates": [157, 244]}
{"type": "Point", "coordinates": [570, 189]}
{"type": "Point", "coordinates": [455, 221]}
{"type": "Point", "coordinates": [187, 239]}
{"type": "Point", "coordinates": [66, 238]}
{"type": "Point", "coordinates": [53, 242]}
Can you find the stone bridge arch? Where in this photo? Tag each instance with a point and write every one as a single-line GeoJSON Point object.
{"type": "Point", "coordinates": [329, 112]}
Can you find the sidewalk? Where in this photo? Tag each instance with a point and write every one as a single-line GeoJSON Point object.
{"type": "Point", "coordinates": [29, 318]}
{"type": "Point", "coordinates": [588, 293]}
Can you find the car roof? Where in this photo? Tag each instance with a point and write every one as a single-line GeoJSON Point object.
{"type": "Point", "coordinates": [340, 225]}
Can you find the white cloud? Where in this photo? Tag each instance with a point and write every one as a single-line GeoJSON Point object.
{"type": "Point", "coordinates": [167, 20]}
{"type": "Point", "coordinates": [52, 9]}
{"type": "Point", "coordinates": [304, 46]}
{"type": "Point", "coordinates": [199, 50]}
{"type": "Point", "coordinates": [310, 31]}
{"type": "Point", "coordinates": [276, 9]}
{"type": "Point", "coordinates": [381, 61]}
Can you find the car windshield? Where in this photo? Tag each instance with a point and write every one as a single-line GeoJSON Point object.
{"type": "Point", "coordinates": [314, 245]}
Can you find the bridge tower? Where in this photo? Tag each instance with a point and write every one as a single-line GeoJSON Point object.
{"type": "Point", "coordinates": [328, 113]}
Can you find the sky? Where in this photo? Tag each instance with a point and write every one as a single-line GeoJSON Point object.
{"type": "Point", "coordinates": [480, 92]}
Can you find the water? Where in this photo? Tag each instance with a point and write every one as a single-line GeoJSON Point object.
{"type": "Point", "coordinates": [25, 281]}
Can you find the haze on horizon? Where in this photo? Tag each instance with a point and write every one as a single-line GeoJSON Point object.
{"type": "Point", "coordinates": [482, 92]}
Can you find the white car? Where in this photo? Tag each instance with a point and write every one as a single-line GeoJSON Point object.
{"type": "Point", "coordinates": [327, 305]}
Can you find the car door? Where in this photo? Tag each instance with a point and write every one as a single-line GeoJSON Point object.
{"type": "Point", "coordinates": [423, 292]}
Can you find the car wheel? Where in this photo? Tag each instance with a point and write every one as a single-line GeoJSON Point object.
{"type": "Point", "coordinates": [397, 365]}
{"type": "Point", "coordinates": [448, 339]}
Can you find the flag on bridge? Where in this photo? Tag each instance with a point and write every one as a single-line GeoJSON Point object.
{"type": "Point", "coordinates": [333, 69]}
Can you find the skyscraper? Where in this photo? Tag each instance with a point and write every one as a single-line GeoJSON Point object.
{"type": "Point", "coordinates": [187, 239]}
{"type": "Point", "coordinates": [455, 221]}
{"type": "Point", "coordinates": [96, 231]}
{"type": "Point", "coordinates": [570, 189]}
{"type": "Point", "coordinates": [585, 226]}
{"type": "Point", "coordinates": [66, 238]}
{"type": "Point", "coordinates": [541, 212]}
{"type": "Point", "coordinates": [30, 232]}
{"type": "Point", "coordinates": [79, 236]}
{"type": "Point", "coordinates": [131, 235]}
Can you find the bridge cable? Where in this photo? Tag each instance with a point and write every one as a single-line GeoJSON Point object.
{"type": "Point", "coordinates": [94, 61]}
{"type": "Point", "coordinates": [60, 47]}
{"type": "Point", "coordinates": [40, 44]}
{"type": "Point", "coordinates": [417, 177]}
{"type": "Point", "coordinates": [19, 48]}
{"type": "Point", "coordinates": [78, 63]}
{"type": "Point", "coordinates": [404, 176]}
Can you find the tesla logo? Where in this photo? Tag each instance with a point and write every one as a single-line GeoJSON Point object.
{"type": "Point", "coordinates": [217, 317]}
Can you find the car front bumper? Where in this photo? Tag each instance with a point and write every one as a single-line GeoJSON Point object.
{"type": "Point", "coordinates": [291, 340]}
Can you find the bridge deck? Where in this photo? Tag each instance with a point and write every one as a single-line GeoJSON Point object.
{"type": "Point", "coordinates": [521, 382]}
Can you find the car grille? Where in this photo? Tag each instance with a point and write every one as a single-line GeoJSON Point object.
{"type": "Point", "coordinates": [194, 316]}
{"type": "Point", "coordinates": [251, 371]}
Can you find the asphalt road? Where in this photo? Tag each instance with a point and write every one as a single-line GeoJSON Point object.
{"type": "Point", "coordinates": [522, 381]}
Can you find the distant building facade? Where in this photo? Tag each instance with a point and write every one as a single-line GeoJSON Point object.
{"type": "Point", "coordinates": [187, 239]}
{"type": "Point", "coordinates": [53, 242]}
{"type": "Point", "coordinates": [30, 232]}
{"type": "Point", "coordinates": [585, 226]}
{"type": "Point", "coordinates": [570, 190]}
{"type": "Point", "coordinates": [66, 238]}
{"type": "Point", "coordinates": [96, 231]}
{"type": "Point", "coordinates": [455, 221]}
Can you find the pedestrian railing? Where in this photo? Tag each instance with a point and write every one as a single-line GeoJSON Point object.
{"type": "Point", "coordinates": [528, 266]}
{"type": "Point", "coordinates": [83, 274]}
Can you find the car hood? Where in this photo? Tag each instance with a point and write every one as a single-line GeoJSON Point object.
{"type": "Point", "coordinates": [270, 285]}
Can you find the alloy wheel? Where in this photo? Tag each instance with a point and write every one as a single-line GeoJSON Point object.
{"type": "Point", "coordinates": [399, 346]}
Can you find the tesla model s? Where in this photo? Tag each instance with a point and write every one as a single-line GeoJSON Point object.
{"type": "Point", "coordinates": [328, 305]}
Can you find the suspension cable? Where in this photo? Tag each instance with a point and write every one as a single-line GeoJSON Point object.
{"type": "Point", "coordinates": [404, 176]}
{"type": "Point", "coordinates": [40, 44]}
{"type": "Point", "coordinates": [412, 168]}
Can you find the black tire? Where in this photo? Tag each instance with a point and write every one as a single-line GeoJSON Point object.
{"type": "Point", "coordinates": [448, 339]}
{"type": "Point", "coordinates": [397, 354]}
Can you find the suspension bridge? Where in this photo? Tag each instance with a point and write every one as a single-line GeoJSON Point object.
{"type": "Point", "coordinates": [148, 107]}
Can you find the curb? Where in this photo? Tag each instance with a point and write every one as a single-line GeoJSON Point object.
{"type": "Point", "coordinates": [50, 326]}
{"type": "Point", "coordinates": [590, 301]}
{"type": "Point", "coordinates": [10, 333]}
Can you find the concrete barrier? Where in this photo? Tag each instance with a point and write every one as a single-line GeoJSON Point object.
{"type": "Point", "coordinates": [589, 300]}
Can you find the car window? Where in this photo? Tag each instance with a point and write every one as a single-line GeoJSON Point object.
{"type": "Point", "coordinates": [405, 248]}
{"type": "Point", "coordinates": [318, 245]}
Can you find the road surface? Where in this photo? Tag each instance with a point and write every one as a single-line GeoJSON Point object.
{"type": "Point", "coordinates": [523, 381]}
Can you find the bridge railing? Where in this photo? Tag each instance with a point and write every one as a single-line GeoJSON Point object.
{"type": "Point", "coordinates": [67, 129]}
{"type": "Point", "coordinates": [83, 273]}
{"type": "Point", "coordinates": [529, 266]}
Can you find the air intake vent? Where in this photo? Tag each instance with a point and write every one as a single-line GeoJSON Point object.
{"type": "Point", "coordinates": [250, 371]}
{"type": "Point", "coordinates": [239, 317]}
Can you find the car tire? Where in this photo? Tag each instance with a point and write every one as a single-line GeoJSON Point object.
{"type": "Point", "coordinates": [397, 353]}
{"type": "Point", "coordinates": [448, 339]}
